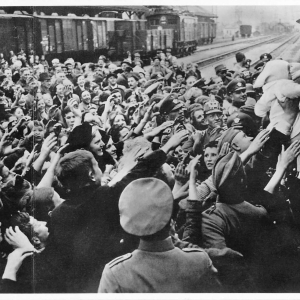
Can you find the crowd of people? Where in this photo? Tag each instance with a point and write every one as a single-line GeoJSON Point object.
{"type": "Point", "coordinates": [121, 178]}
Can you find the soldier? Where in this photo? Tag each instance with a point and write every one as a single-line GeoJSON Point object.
{"type": "Point", "coordinates": [156, 266]}
{"type": "Point", "coordinates": [236, 91]}
{"type": "Point", "coordinates": [221, 71]}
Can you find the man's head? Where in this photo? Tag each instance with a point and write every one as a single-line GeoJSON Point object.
{"type": "Point", "coordinates": [146, 208]}
{"type": "Point", "coordinates": [156, 61]}
{"type": "Point", "coordinates": [236, 90]}
{"type": "Point", "coordinates": [86, 97]}
{"type": "Point", "coordinates": [78, 169]}
{"type": "Point", "coordinates": [133, 81]}
{"type": "Point", "coordinates": [236, 139]}
{"type": "Point", "coordinates": [240, 57]}
{"type": "Point", "coordinates": [171, 107]}
{"type": "Point", "coordinates": [36, 231]}
{"type": "Point", "coordinates": [179, 77]}
{"type": "Point", "coordinates": [47, 99]}
{"type": "Point", "coordinates": [45, 80]}
{"type": "Point", "coordinates": [8, 73]}
{"type": "Point", "coordinates": [55, 62]}
{"type": "Point", "coordinates": [60, 77]}
{"type": "Point", "coordinates": [25, 73]}
{"type": "Point", "coordinates": [60, 90]}
{"type": "Point", "coordinates": [221, 71]}
{"type": "Point", "coordinates": [112, 78]}
{"type": "Point", "coordinates": [80, 80]}
{"type": "Point", "coordinates": [213, 114]}
{"type": "Point", "coordinates": [197, 116]}
{"type": "Point", "coordinates": [190, 81]}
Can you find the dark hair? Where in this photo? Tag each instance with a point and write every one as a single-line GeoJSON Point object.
{"type": "Point", "coordinates": [212, 144]}
{"type": "Point", "coordinates": [92, 66]}
{"type": "Point", "coordinates": [74, 168]}
{"type": "Point", "coordinates": [240, 56]}
{"type": "Point", "coordinates": [16, 195]}
{"type": "Point", "coordinates": [115, 132]}
{"type": "Point", "coordinates": [22, 220]}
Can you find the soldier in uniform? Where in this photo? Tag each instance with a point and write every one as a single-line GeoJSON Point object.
{"type": "Point", "coordinates": [156, 266]}
{"type": "Point", "coordinates": [213, 116]}
{"type": "Point", "coordinates": [221, 71]}
{"type": "Point", "coordinates": [236, 90]}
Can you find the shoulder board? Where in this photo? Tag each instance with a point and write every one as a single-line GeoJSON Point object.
{"type": "Point", "coordinates": [192, 250]}
{"type": "Point", "coordinates": [119, 259]}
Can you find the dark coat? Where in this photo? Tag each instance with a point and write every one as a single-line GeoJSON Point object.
{"type": "Point", "coordinates": [85, 231]}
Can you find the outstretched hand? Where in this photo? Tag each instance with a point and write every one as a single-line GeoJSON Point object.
{"type": "Point", "coordinates": [259, 141]}
{"type": "Point", "coordinates": [287, 156]}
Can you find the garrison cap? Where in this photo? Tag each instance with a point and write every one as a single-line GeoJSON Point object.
{"type": "Point", "coordinates": [219, 68]}
{"type": "Point", "coordinates": [170, 104]}
{"type": "Point", "coordinates": [211, 107]}
{"type": "Point", "coordinates": [243, 119]}
{"type": "Point", "coordinates": [227, 137]}
{"type": "Point", "coordinates": [236, 84]}
{"type": "Point", "coordinates": [145, 206]}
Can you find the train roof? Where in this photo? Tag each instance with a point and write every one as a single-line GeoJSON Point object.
{"type": "Point", "coordinates": [77, 10]}
{"type": "Point", "coordinates": [85, 18]}
{"type": "Point", "coordinates": [192, 10]}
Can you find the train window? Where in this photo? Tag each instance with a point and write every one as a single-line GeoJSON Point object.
{"type": "Point", "coordinates": [51, 29]}
{"type": "Point", "coordinates": [29, 31]}
{"type": "Point", "coordinates": [70, 39]}
{"type": "Point", "coordinates": [79, 36]}
{"type": "Point", "coordinates": [84, 35]}
{"type": "Point", "coordinates": [44, 33]}
{"type": "Point", "coordinates": [58, 36]}
{"type": "Point", "coordinates": [95, 34]}
{"type": "Point", "coordinates": [21, 35]}
{"type": "Point", "coordinates": [102, 34]}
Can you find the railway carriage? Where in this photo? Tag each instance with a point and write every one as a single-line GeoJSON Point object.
{"type": "Point", "coordinates": [83, 37]}
{"type": "Point", "coordinates": [180, 31]}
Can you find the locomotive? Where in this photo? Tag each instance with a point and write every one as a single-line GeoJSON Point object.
{"type": "Point", "coordinates": [85, 38]}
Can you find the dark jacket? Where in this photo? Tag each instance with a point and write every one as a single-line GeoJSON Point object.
{"type": "Point", "coordinates": [85, 231]}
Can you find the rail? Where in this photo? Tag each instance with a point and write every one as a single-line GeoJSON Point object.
{"type": "Point", "coordinates": [208, 61]}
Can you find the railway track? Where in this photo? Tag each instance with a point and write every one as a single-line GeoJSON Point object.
{"type": "Point", "coordinates": [225, 44]}
{"type": "Point", "coordinates": [211, 60]}
{"type": "Point", "coordinates": [281, 48]}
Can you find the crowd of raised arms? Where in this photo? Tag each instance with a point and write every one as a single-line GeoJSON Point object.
{"type": "Point", "coordinates": [121, 178]}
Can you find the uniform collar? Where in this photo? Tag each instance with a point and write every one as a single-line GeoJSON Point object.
{"type": "Point", "coordinates": [156, 246]}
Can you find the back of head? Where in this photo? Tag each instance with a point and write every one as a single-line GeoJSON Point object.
{"type": "Point", "coordinates": [240, 56]}
{"type": "Point", "coordinates": [74, 168]}
{"type": "Point", "coordinates": [145, 206]}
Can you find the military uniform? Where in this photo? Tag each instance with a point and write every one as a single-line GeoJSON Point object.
{"type": "Point", "coordinates": [146, 207]}
{"type": "Point", "coordinates": [159, 267]}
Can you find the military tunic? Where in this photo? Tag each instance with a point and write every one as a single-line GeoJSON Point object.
{"type": "Point", "coordinates": [159, 267]}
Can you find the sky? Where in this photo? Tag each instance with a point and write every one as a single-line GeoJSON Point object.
{"type": "Point", "coordinates": [253, 15]}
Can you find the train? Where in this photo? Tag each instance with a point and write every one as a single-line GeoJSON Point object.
{"type": "Point", "coordinates": [245, 30]}
{"type": "Point", "coordinates": [85, 38]}
{"type": "Point", "coordinates": [180, 31]}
